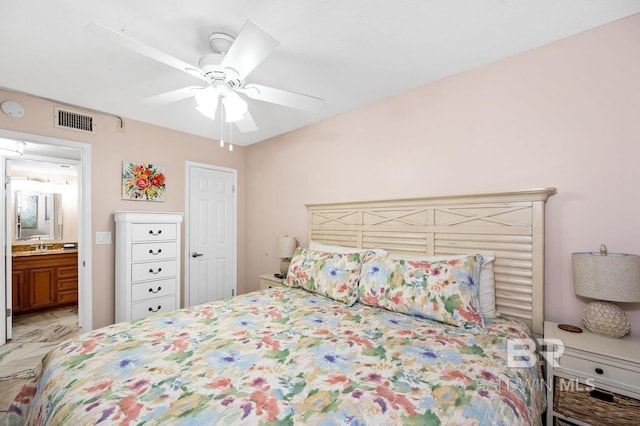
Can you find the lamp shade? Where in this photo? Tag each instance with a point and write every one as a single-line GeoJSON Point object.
{"type": "Point", "coordinates": [286, 247]}
{"type": "Point", "coordinates": [613, 277]}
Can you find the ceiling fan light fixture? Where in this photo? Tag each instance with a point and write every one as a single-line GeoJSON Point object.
{"type": "Point", "coordinates": [207, 100]}
{"type": "Point", "coordinates": [234, 107]}
{"type": "Point", "coordinates": [207, 96]}
{"type": "Point", "coordinates": [209, 111]}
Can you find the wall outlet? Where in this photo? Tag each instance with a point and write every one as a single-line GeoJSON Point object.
{"type": "Point", "coordinates": [103, 237]}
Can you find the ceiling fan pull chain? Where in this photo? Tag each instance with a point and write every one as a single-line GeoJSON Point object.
{"type": "Point", "coordinates": [221, 123]}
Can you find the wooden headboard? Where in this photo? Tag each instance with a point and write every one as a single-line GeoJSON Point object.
{"type": "Point", "coordinates": [511, 224]}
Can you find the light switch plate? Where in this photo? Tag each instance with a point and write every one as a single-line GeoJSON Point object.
{"type": "Point", "coordinates": [103, 237]}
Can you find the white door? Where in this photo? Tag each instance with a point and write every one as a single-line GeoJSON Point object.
{"type": "Point", "coordinates": [210, 227]}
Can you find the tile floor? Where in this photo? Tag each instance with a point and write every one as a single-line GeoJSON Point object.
{"type": "Point", "coordinates": [33, 336]}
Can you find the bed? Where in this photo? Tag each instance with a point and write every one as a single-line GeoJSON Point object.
{"type": "Point", "coordinates": [347, 344]}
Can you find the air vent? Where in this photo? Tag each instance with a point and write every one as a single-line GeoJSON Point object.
{"type": "Point", "coordinates": [72, 120]}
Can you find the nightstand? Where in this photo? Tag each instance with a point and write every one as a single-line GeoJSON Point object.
{"type": "Point", "coordinates": [591, 379]}
{"type": "Point", "coordinates": [269, 281]}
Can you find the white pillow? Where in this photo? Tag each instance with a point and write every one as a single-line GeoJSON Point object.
{"type": "Point", "coordinates": [314, 245]}
{"type": "Point", "coordinates": [329, 248]}
{"type": "Point", "coordinates": [487, 289]}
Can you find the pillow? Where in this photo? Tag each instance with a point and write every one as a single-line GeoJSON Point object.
{"type": "Point", "coordinates": [487, 292]}
{"type": "Point", "coordinates": [333, 275]}
{"type": "Point", "coordinates": [444, 290]}
{"type": "Point", "coordinates": [314, 245]}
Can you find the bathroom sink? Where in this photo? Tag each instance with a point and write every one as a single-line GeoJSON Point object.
{"type": "Point", "coordinates": [38, 252]}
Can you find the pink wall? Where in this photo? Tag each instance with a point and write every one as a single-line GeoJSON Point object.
{"type": "Point", "coordinates": [139, 142]}
{"type": "Point", "coordinates": [563, 115]}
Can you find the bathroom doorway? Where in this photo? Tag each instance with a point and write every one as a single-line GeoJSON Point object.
{"type": "Point", "coordinates": [46, 206]}
{"type": "Point", "coordinates": [42, 214]}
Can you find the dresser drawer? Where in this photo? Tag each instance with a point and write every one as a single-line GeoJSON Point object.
{"type": "Point", "coordinates": [599, 371]}
{"type": "Point", "coordinates": [153, 270]}
{"type": "Point", "coordinates": [153, 231]}
{"type": "Point", "coordinates": [269, 281]}
{"type": "Point", "coordinates": [153, 306]}
{"type": "Point", "coordinates": [151, 289]}
{"type": "Point", "coordinates": [141, 252]}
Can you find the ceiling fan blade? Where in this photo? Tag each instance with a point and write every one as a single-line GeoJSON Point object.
{"type": "Point", "coordinates": [246, 123]}
{"type": "Point", "coordinates": [143, 49]}
{"type": "Point", "coordinates": [282, 97]}
{"type": "Point", "coordinates": [250, 47]}
{"type": "Point", "coordinates": [172, 96]}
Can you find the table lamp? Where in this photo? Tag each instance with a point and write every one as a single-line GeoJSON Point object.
{"type": "Point", "coordinates": [606, 277]}
{"type": "Point", "coordinates": [286, 247]}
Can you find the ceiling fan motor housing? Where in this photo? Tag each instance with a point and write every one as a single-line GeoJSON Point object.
{"type": "Point", "coordinates": [215, 74]}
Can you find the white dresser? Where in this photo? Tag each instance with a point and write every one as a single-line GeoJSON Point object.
{"type": "Point", "coordinates": [147, 263]}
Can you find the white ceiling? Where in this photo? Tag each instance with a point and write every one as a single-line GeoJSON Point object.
{"type": "Point", "coordinates": [41, 169]}
{"type": "Point", "coordinates": [350, 53]}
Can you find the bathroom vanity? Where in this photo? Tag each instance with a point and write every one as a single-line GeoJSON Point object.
{"type": "Point", "coordinates": [44, 279]}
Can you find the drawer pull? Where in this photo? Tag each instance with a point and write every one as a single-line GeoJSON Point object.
{"type": "Point", "coordinates": [155, 253]}
{"type": "Point", "coordinates": [155, 310]}
{"type": "Point", "coordinates": [599, 370]}
{"type": "Point", "coordinates": [151, 271]}
{"type": "Point", "coordinates": [152, 291]}
{"type": "Point", "coordinates": [602, 396]}
{"type": "Point", "coordinates": [155, 233]}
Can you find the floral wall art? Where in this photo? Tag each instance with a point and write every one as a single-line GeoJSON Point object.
{"type": "Point", "coordinates": [142, 181]}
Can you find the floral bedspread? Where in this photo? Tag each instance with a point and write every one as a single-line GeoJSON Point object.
{"type": "Point", "coordinates": [284, 356]}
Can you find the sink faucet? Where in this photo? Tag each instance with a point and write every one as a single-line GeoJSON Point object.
{"type": "Point", "coordinates": [40, 246]}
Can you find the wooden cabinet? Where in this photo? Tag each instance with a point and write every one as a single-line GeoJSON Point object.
{"type": "Point", "coordinates": [44, 281]}
{"type": "Point", "coordinates": [42, 287]}
{"type": "Point", "coordinates": [19, 291]}
{"type": "Point", "coordinates": [591, 379]}
{"type": "Point", "coordinates": [147, 263]}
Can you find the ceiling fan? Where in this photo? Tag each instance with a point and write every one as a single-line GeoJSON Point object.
{"type": "Point", "coordinates": [224, 72]}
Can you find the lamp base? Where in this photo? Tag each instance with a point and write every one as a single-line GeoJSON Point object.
{"type": "Point", "coordinates": [284, 266]}
{"type": "Point", "coordinates": [606, 319]}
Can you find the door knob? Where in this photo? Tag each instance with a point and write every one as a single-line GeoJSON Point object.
{"type": "Point", "coordinates": [194, 254]}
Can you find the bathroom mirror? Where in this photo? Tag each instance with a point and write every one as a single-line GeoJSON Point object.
{"type": "Point", "coordinates": [38, 216]}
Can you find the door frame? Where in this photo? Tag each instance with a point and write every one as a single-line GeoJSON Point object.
{"type": "Point", "coordinates": [85, 283]}
{"type": "Point", "coordinates": [187, 223]}
{"type": "Point", "coordinates": [5, 266]}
